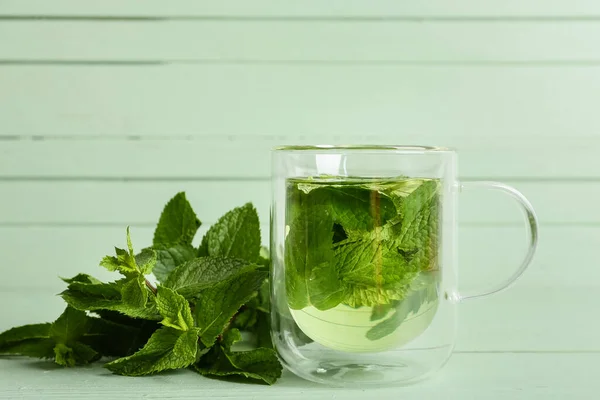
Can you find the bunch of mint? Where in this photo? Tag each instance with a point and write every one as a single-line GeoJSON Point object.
{"type": "Point", "coordinates": [191, 319]}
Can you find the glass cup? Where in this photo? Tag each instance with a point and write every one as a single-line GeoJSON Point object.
{"type": "Point", "coordinates": [364, 273]}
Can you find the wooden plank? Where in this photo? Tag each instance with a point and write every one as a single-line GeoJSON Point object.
{"type": "Point", "coordinates": [285, 41]}
{"type": "Point", "coordinates": [522, 319]}
{"type": "Point", "coordinates": [300, 100]}
{"type": "Point", "coordinates": [488, 254]}
{"type": "Point", "coordinates": [472, 376]}
{"type": "Point", "coordinates": [185, 159]}
{"type": "Point", "coordinates": [335, 8]}
{"type": "Point", "coordinates": [139, 203]}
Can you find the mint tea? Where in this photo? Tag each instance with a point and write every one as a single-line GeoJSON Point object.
{"type": "Point", "coordinates": [361, 259]}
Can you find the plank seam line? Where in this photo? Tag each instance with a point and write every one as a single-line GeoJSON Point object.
{"type": "Point", "coordinates": [151, 179]}
{"type": "Point", "coordinates": [551, 63]}
{"type": "Point", "coordinates": [309, 18]}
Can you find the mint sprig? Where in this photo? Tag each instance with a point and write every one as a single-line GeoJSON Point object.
{"type": "Point", "coordinates": [190, 319]}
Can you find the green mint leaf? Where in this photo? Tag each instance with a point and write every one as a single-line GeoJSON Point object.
{"type": "Point", "coordinates": [112, 339]}
{"type": "Point", "coordinates": [28, 340]}
{"type": "Point", "coordinates": [66, 332]}
{"type": "Point", "coordinates": [70, 326]}
{"type": "Point", "coordinates": [200, 273]}
{"type": "Point", "coordinates": [178, 223]}
{"type": "Point", "coordinates": [255, 317]}
{"type": "Point", "coordinates": [325, 287]}
{"type": "Point", "coordinates": [308, 245]}
{"type": "Point", "coordinates": [262, 330]}
{"type": "Point", "coordinates": [123, 262]}
{"type": "Point", "coordinates": [75, 354]}
{"type": "Point", "coordinates": [381, 311]}
{"type": "Point", "coordinates": [174, 308]}
{"type": "Point", "coordinates": [422, 291]}
{"type": "Point", "coordinates": [83, 278]}
{"type": "Point", "coordinates": [417, 236]}
{"type": "Point", "coordinates": [123, 335]}
{"type": "Point", "coordinates": [134, 294]}
{"type": "Point", "coordinates": [245, 319]}
{"type": "Point", "coordinates": [59, 340]}
{"type": "Point", "coordinates": [167, 349]}
{"type": "Point", "coordinates": [264, 297]}
{"type": "Point", "coordinates": [372, 270]}
{"type": "Point", "coordinates": [356, 209]}
{"type": "Point", "coordinates": [36, 348]}
{"type": "Point", "coordinates": [169, 258]}
{"type": "Point", "coordinates": [235, 235]}
{"type": "Point", "coordinates": [264, 257]}
{"type": "Point", "coordinates": [25, 332]}
{"type": "Point", "coordinates": [127, 263]}
{"type": "Point", "coordinates": [146, 261]}
{"type": "Point", "coordinates": [203, 249]}
{"type": "Point", "coordinates": [217, 304]}
{"type": "Point", "coordinates": [106, 296]}
{"type": "Point", "coordinates": [231, 337]}
{"type": "Point", "coordinates": [259, 365]}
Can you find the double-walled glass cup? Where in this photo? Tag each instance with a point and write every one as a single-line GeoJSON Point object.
{"type": "Point", "coordinates": [364, 267]}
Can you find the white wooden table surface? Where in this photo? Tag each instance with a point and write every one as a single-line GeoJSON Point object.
{"type": "Point", "coordinates": [467, 376]}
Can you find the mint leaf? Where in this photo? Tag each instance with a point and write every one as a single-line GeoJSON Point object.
{"type": "Point", "coordinates": [60, 340]}
{"type": "Point", "coordinates": [70, 326]}
{"type": "Point", "coordinates": [325, 288]}
{"type": "Point", "coordinates": [168, 258]}
{"type": "Point", "coordinates": [146, 261]}
{"type": "Point", "coordinates": [124, 262]}
{"type": "Point", "coordinates": [255, 317]}
{"type": "Point", "coordinates": [355, 209]}
{"type": "Point", "coordinates": [381, 311]}
{"type": "Point", "coordinates": [246, 318]}
{"type": "Point", "coordinates": [174, 308]}
{"type": "Point", "coordinates": [83, 278]}
{"type": "Point", "coordinates": [263, 257]}
{"type": "Point", "coordinates": [106, 296]}
{"type": "Point", "coordinates": [308, 245]}
{"type": "Point", "coordinates": [36, 348]}
{"type": "Point", "coordinates": [177, 224]}
{"type": "Point", "coordinates": [262, 330]}
{"type": "Point", "coordinates": [235, 235]}
{"type": "Point", "coordinates": [28, 340]}
{"type": "Point", "coordinates": [112, 339]}
{"type": "Point", "coordinates": [76, 353]}
{"type": "Point", "coordinates": [259, 365]}
{"type": "Point", "coordinates": [127, 263]}
{"type": "Point", "coordinates": [66, 332]}
{"type": "Point", "coordinates": [417, 235]}
{"type": "Point", "coordinates": [423, 290]}
{"type": "Point", "coordinates": [191, 277]}
{"type": "Point", "coordinates": [134, 294]}
{"type": "Point", "coordinates": [372, 270]}
{"type": "Point", "coordinates": [167, 349]}
{"type": "Point", "coordinates": [217, 304]}
{"type": "Point", "coordinates": [230, 338]}
{"type": "Point", "coordinates": [25, 332]}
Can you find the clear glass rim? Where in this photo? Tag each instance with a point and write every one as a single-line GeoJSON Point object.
{"type": "Point", "coordinates": [368, 147]}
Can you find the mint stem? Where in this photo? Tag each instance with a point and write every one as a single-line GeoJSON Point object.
{"type": "Point", "coordinates": [149, 286]}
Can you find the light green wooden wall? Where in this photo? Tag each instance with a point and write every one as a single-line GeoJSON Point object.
{"type": "Point", "coordinates": [107, 108]}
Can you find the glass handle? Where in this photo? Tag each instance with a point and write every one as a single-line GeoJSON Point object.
{"type": "Point", "coordinates": [531, 224]}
